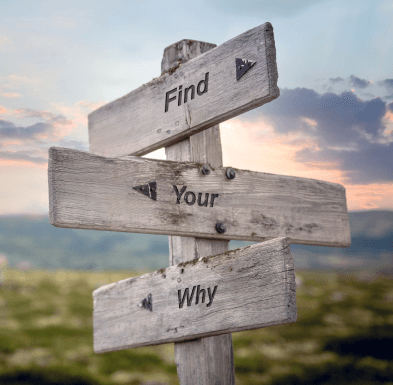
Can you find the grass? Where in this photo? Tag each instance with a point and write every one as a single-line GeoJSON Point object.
{"type": "Point", "coordinates": [344, 335]}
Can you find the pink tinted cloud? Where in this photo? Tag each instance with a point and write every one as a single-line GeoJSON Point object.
{"type": "Point", "coordinates": [23, 164]}
{"type": "Point", "coordinates": [389, 116]}
{"type": "Point", "coordinates": [11, 95]}
{"type": "Point", "coordinates": [91, 106]}
{"type": "Point", "coordinates": [79, 112]}
{"type": "Point", "coordinates": [22, 144]}
{"type": "Point", "coordinates": [255, 146]}
{"type": "Point", "coordinates": [14, 82]}
{"type": "Point", "coordinates": [371, 196]}
{"type": "Point", "coordinates": [62, 126]}
{"type": "Point", "coordinates": [23, 79]}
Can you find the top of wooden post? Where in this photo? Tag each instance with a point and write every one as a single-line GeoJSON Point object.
{"type": "Point", "coordinates": [181, 52]}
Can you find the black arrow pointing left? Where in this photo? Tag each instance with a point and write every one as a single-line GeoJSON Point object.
{"type": "Point", "coordinates": [148, 189]}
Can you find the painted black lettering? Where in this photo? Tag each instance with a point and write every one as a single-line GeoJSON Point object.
{"type": "Point", "coordinates": [213, 196]}
{"type": "Point", "coordinates": [179, 97]}
{"type": "Point", "coordinates": [211, 295]}
{"type": "Point", "coordinates": [205, 201]}
{"type": "Point", "coordinates": [192, 88]}
{"type": "Point", "coordinates": [193, 197]}
{"type": "Point", "coordinates": [168, 99]}
{"type": "Point", "coordinates": [205, 83]}
{"type": "Point", "coordinates": [186, 295]}
{"type": "Point", "coordinates": [179, 194]}
{"type": "Point", "coordinates": [200, 291]}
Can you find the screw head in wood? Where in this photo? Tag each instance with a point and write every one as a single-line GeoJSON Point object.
{"type": "Point", "coordinates": [220, 227]}
{"type": "Point", "coordinates": [206, 169]}
{"type": "Point", "coordinates": [230, 173]}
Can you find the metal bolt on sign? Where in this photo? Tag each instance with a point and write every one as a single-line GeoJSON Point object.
{"type": "Point", "coordinates": [206, 170]}
{"type": "Point", "coordinates": [230, 173]}
{"type": "Point", "coordinates": [220, 227]}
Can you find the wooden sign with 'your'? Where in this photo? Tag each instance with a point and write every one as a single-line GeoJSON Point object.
{"type": "Point", "coordinates": [142, 195]}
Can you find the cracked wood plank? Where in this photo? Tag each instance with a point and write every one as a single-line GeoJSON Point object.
{"type": "Point", "coordinates": [90, 191]}
{"type": "Point", "coordinates": [157, 114]}
{"type": "Point", "coordinates": [242, 289]}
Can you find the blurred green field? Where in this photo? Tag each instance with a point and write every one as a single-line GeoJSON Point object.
{"type": "Point", "coordinates": [344, 335]}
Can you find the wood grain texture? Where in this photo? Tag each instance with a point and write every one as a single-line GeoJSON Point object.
{"type": "Point", "coordinates": [254, 287]}
{"type": "Point", "coordinates": [181, 52]}
{"type": "Point", "coordinates": [137, 123]}
{"type": "Point", "coordinates": [96, 192]}
{"type": "Point", "coordinates": [206, 360]}
{"type": "Point", "coordinates": [213, 354]}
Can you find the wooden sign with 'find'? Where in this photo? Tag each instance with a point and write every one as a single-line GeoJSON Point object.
{"type": "Point", "coordinates": [224, 82]}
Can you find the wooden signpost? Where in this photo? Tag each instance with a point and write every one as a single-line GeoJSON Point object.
{"type": "Point", "coordinates": [201, 205]}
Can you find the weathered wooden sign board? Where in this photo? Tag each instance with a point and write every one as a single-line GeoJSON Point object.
{"type": "Point", "coordinates": [135, 194]}
{"type": "Point", "coordinates": [224, 82]}
{"type": "Point", "coordinates": [243, 289]}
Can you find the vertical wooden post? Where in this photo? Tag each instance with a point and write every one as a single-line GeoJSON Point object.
{"type": "Point", "coordinates": [205, 361]}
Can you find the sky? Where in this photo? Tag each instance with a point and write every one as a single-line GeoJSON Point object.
{"type": "Point", "coordinates": [60, 60]}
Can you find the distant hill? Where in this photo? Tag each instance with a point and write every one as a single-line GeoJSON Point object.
{"type": "Point", "coordinates": [34, 240]}
{"type": "Point", "coordinates": [371, 247]}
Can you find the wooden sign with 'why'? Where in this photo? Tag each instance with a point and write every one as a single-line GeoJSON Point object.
{"type": "Point", "coordinates": [141, 195]}
{"type": "Point", "coordinates": [224, 82]}
{"type": "Point", "coordinates": [243, 289]}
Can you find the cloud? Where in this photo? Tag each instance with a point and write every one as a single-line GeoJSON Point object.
{"type": "Point", "coordinates": [387, 83]}
{"type": "Point", "coordinates": [367, 89]}
{"type": "Point", "coordinates": [75, 144]}
{"type": "Point", "coordinates": [46, 115]}
{"type": "Point", "coordinates": [339, 117]}
{"type": "Point", "coordinates": [23, 156]}
{"type": "Point", "coordinates": [61, 125]}
{"type": "Point", "coordinates": [14, 83]}
{"type": "Point", "coordinates": [30, 143]}
{"type": "Point", "coordinates": [8, 130]}
{"type": "Point", "coordinates": [11, 95]}
{"type": "Point", "coordinates": [25, 143]}
{"type": "Point", "coordinates": [351, 134]}
{"type": "Point", "coordinates": [15, 78]}
{"type": "Point", "coordinates": [336, 80]}
{"type": "Point", "coordinates": [340, 84]}
{"type": "Point", "coordinates": [356, 82]}
{"type": "Point", "coordinates": [89, 106]}
{"type": "Point", "coordinates": [370, 164]}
